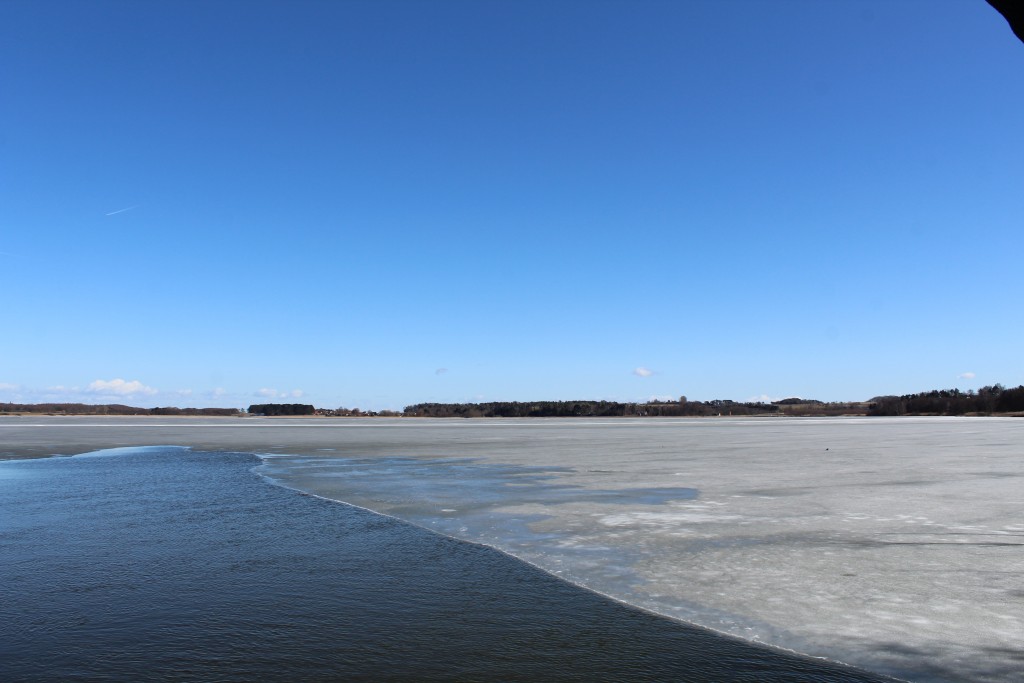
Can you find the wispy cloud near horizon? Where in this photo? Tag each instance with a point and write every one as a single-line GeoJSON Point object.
{"type": "Point", "coordinates": [120, 387]}
{"type": "Point", "coordinates": [274, 393]}
{"type": "Point", "coordinates": [643, 372]}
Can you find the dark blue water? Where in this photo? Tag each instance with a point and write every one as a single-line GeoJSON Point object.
{"type": "Point", "coordinates": [169, 564]}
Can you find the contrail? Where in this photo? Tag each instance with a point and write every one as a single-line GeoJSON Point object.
{"type": "Point", "coordinates": [122, 210]}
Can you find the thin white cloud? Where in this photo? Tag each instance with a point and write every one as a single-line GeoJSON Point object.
{"type": "Point", "coordinates": [120, 387]}
{"type": "Point", "coordinates": [184, 392]}
{"type": "Point", "coordinates": [122, 210]}
{"type": "Point", "coordinates": [7, 386]}
{"type": "Point", "coordinates": [642, 372]}
{"type": "Point", "coordinates": [274, 393]}
{"type": "Point", "coordinates": [966, 375]}
{"type": "Point", "coordinates": [763, 398]}
{"type": "Point", "coordinates": [217, 393]}
{"type": "Point", "coordinates": [440, 371]}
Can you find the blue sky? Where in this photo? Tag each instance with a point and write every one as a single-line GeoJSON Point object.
{"type": "Point", "coordinates": [380, 203]}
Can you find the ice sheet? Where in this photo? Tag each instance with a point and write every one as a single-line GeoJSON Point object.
{"type": "Point", "coordinates": [892, 544]}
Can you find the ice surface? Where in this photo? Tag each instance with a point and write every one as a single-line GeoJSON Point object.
{"type": "Point", "coordinates": [892, 544]}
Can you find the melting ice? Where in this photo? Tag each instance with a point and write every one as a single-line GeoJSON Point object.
{"type": "Point", "coordinates": [892, 544]}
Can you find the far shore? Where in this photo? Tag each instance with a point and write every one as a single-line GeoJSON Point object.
{"type": "Point", "coordinates": [244, 416]}
{"type": "Point", "coordinates": [995, 401]}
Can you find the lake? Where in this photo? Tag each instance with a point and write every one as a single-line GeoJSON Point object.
{"type": "Point", "coordinates": [892, 544]}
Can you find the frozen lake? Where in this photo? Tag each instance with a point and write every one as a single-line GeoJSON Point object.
{"type": "Point", "coordinates": [896, 545]}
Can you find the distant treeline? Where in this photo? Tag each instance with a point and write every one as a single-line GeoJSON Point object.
{"type": "Point", "coordinates": [993, 399]}
{"type": "Point", "coordinates": [987, 400]}
{"type": "Point", "coordinates": [108, 409]}
{"type": "Point", "coordinates": [273, 409]}
{"type": "Point", "coordinates": [355, 412]}
{"type": "Point", "coordinates": [680, 408]}
{"type": "Point", "coordinates": [170, 410]}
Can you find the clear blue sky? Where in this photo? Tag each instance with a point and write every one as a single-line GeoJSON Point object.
{"type": "Point", "coordinates": [379, 203]}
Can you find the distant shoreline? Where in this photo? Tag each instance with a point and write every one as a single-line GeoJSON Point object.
{"type": "Point", "coordinates": [364, 416]}
{"type": "Point", "coordinates": [994, 400]}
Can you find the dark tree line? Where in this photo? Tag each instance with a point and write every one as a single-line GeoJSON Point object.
{"type": "Point", "coordinates": [219, 412]}
{"type": "Point", "coordinates": [993, 399]}
{"type": "Point", "coordinates": [681, 408]}
{"type": "Point", "coordinates": [987, 400]}
{"type": "Point", "coordinates": [355, 412]}
{"type": "Point", "coordinates": [273, 409]}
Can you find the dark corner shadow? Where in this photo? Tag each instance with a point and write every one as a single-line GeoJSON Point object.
{"type": "Point", "coordinates": [1013, 12]}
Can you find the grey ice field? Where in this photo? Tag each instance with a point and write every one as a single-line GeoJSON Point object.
{"type": "Point", "coordinates": [894, 544]}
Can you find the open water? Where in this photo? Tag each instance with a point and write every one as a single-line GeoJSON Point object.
{"type": "Point", "coordinates": [166, 563]}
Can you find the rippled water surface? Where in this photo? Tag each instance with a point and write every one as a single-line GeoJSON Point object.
{"type": "Point", "coordinates": [170, 564]}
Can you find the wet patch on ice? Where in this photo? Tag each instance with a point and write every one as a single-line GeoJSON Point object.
{"type": "Point", "coordinates": [464, 483]}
